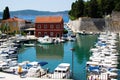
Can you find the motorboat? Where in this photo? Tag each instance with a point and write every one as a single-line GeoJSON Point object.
{"type": "Point", "coordinates": [45, 40]}
{"type": "Point", "coordinates": [29, 45]}
{"type": "Point", "coordinates": [58, 40]}
{"type": "Point", "coordinates": [3, 65]}
{"type": "Point", "coordinates": [104, 56]}
{"type": "Point", "coordinates": [36, 71]}
{"type": "Point", "coordinates": [62, 71]}
{"type": "Point", "coordinates": [71, 37]}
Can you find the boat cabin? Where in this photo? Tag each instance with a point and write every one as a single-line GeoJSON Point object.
{"type": "Point", "coordinates": [62, 71]}
{"type": "Point", "coordinates": [62, 68]}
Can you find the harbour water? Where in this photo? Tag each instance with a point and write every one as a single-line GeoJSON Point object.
{"type": "Point", "coordinates": [59, 53]}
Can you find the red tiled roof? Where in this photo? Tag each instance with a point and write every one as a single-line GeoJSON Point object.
{"type": "Point", "coordinates": [14, 19]}
{"type": "Point", "coordinates": [48, 19]}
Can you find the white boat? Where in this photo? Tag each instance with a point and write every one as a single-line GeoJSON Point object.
{"type": "Point", "coordinates": [58, 40]}
{"type": "Point", "coordinates": [45, 40]}
{"type": "Point", "coordinates": [62, 71]}
{"type": "Point", "coordinates": [3, 65]}
{"type": "Point", "coordinates": [29, 45]}
{"type": "Point", "coordinates": [71, 38]}
{"type": "Point", "coordinates": [36, 71]}
{"type": "Point", "coordinates": [92, 63]}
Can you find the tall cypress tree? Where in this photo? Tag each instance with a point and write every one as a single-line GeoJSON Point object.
{"type": "Point", "coordinates": [4, 17]}
{"type": "Point", "coordinates": [6, 13]}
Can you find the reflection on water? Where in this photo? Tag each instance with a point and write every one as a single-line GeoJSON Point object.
{"type": "Point", "coordinates": [83, 45]}
{"type": "Point", "coordinates": [50, 51]}
{"type": "Point", "coordinates": [58, 53]}
{"type": "Point", "coordinates": [81, 55]}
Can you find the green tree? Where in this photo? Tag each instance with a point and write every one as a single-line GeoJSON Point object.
{"type": "Point", "coordinates": [80, 8]}
{"type": "Point", "coordinates": [6, 14]}
{"type": "Point", "coordinates": [5, 29]}
{"type": "Point", "coordinates": [77, 9]}
{"type": "Point", "coordinates": [110, 5]}
{"type": "Point", "coordinates": [107, 6]}
{"type": "Point", "coordinates": [72, 12]}
{"type": "Point", "coordinates": [86, 8]}
{"type": "Point", "coordinates": [116, 2]}
{"type": "Point", "coordinates": [117, 7]}
{"type": "Point", "coordinates": [94, 9]}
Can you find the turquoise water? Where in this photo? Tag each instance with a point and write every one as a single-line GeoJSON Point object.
{"type": "Point", "coordinates": [58, 53]}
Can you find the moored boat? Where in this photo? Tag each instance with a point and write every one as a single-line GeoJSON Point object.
{"type": "Point", "coordinates": [29, 45]}
{"type": "Point", "coordinates": [45, 40]}
{"type": "Point", "coordinates": [62, 71]}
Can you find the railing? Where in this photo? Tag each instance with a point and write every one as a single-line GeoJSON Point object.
{"type": "Point", "coordinates": [98, 77]}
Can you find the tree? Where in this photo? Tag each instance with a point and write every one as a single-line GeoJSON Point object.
{"type": "Point", "coordinates": [107, 6]}
{"type": "Point", "coordinates": [80, 8]}
{"type": "Point", "coordinates": [5, 28]}
{"type": "Point", "coordinates": [117, 7]}
{"type": "Point", "coordinates": [6, 14]}
{"type": "Point", "coordinates": [86, 8]}
{"type": "Point", "coordinates": [110, 5]}
{"type": "Point", "coordinates": [72, 12]}
{"type": "Point", "coordinates": [94, 10]}
{"type": "Point", "coordinates": [77, 9]}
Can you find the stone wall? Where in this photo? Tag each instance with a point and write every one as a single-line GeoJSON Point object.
{"type": "Point", "coordinates": [115, 22]}
{"type": "Point", "coordinates": [87, 24]}
{"type": "Point", "coordinates": [111, 23]}
{"type": "Point", "coordinates": [92, 24]}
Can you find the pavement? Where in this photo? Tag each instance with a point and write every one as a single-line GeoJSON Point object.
{"type": "Point", "coordinates": [7, 76]}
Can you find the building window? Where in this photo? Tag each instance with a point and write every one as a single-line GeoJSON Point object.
{"type": "Point", "coordinates": [14, 24]}
{"type": "Point", "coordinates": [39, 26]}
{"type": "Point", "coordinates": [57, 35]}
{"type": "Point", "coordinates": [39, 34]}
{"type": "Point", "coordinates": [6, 24]}
{"type": "Point", "coordinates": [45, 26]}
{"type": "Point", "coordinates": [51, 26]}
{"type": "Point", "coordinates": [51, 33]}
{"type": "Point", "coordinates": [57, 26]}
{"type": "Point", "coordinates": [45, 33]}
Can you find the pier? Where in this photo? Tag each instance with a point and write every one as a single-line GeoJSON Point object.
{"type": "Point", "coordinates": [6, 76]}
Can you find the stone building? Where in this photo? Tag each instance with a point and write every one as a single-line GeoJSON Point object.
{"type": "Point", "coordinates": [13, 24]}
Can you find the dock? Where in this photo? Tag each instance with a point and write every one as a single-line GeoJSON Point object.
{"type": "Point", "coordinates": [7, 76]}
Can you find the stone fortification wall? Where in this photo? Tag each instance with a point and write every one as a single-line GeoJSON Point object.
{"type": "Point", "coordinates": [87, 24]}
{"type": "Point", "coordinates": [114, 22]}
{"type": "Point", "coordinates": [111, 23]}
{"type": "Point", "coordinates": [92, 24]}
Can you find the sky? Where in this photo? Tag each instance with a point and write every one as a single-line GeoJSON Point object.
{"type": "Point", "coordinates": [40, 5]}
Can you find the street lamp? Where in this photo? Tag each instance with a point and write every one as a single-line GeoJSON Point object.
{"type": "Point", "coordinates": [72, 49]}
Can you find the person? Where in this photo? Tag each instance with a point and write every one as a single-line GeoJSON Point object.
{"type": "Point", "coordinates": [20, 71]}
